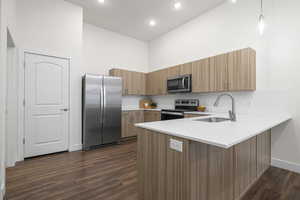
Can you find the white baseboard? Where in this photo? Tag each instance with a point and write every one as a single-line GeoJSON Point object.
{"type": "Point", "coordinates": [2, 191]}
{"type": "Point", "coordinates": [76, 147]}
{"type": "Point", "coordinates": [10, 163]}
{"type": "Point", "coordinates": [294, 167]}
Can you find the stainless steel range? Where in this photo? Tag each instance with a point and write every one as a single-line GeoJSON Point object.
{"type": "Point", "coordinates": [181, 106]}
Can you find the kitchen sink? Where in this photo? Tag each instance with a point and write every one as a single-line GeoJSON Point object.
{"type": "Point", "coordinates": [213, 119]}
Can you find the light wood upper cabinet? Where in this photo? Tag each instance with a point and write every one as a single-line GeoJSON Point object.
{"type": "Point", "coordinates": [125, 78]}
{"type": "Point", "coordinates": [202, 76]}
{"type": "Point", "coordinates": [233, 71]}
{"type": "Point", "coordinates": [156, 82]}
{"type": "Point", "coordinates": [219, 66]}
{"type": "Point", "coordinates": [134, 83]}
{"type": "Point", "coordinates": [242, 70]}
{"type": "Point", "coordinates": [138, 83]}
{"type": "Point", "coordinates": [150, 86]}
{"type": "Point", "coordinates": [162, 82]}
{"type": "Point", "coordinates": [186, 69]}
{"type": "Point", "coordinates": [173, 71]}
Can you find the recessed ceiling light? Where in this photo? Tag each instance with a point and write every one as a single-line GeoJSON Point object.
{"type": "Point", "coordinates": [152, 22]}
{"type": "Point", "coordinates": [177, 5]}
{"type": "Point", "coordinates": [101, 1]}
{"type": "Point", "coordinates": [233, 1]}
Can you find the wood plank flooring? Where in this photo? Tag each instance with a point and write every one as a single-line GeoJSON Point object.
{"type": "Point", "coordinates": [110, 174]}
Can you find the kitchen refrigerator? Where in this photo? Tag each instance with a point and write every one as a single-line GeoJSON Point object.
{"type": "Point", "coordinates": [101, 110]}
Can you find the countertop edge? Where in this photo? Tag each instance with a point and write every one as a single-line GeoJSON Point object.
{"type": "Point", "coordinates": [221, 145]}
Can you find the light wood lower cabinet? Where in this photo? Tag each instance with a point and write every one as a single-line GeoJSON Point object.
{"type": "Point", "coordinates": [129, 118]}
{"type": "Point", "coordinates": [151, 116]}
{"type": "Point", "coordinates": [195, 115]}
{"type": "Point", "coordinates": [200, 171]}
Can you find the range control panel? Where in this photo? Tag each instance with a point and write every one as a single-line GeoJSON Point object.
{"type": "Point", "coordinates": [187, 104]}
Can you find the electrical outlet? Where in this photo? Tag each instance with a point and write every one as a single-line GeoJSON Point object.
{"type": "Point", "coordinates": [176, 145]}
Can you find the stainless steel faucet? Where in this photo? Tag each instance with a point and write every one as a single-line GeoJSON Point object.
{"type": "Point", "coordinates": [232, 114]}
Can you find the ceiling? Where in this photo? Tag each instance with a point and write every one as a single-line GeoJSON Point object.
{"type": "Point", "coordinates": [131, 17]}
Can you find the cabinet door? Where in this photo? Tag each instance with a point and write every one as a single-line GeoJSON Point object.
{"type": "Point", "coordinates": [138, 82]}
{"type": "Point", "coordinates": [156, 83]}
{"type": "Point", "coordinates": [142, 84]}
{"type": "Point", "coordinates": [131, 129]}
{"type": "Point", "coordinates": [126, 78]}
{"type": "Point", "coordinates": [219, 65]}
{"type": "Point", "coordinates": [201, 76]}
{"type": "Point", "coordinates": [152, 116]}
{"type": "Point", "coordinates": [125, 124]}
{"type": "Point", "coordinates": [263, 152]}
{"type": "Point", "coordinates": [149, 83]}
{"type": "Point", "coordinates": [174, 71]}
{"type": "Point", "coordinates": [157, 116]}
{"type": "Point", "coordinates": [161, 82]}
{"type": "Point", "coordinates": [147, 116]}
{"type": "Point", "coordinates": [186, 68]}
{"type": "Point", "coordinates": [135, 83]}
{"type": "Point", "coordinates": [138, 118]}
{"type": "Point", "coordinates": [163, 79]}
{"type": "Point", "coordinates": [128, 120]}
{"type": "Point", "coordinates": [242, 70]}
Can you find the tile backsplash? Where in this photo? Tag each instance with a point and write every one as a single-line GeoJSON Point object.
{"type": "Point", "coordinates": [257, 102]}
{"type": "Point", "coordinates": [246, 102]}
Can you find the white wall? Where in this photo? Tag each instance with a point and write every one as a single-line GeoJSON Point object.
{"type": "Point", "coordinates": [7, 22]}
{"type": "Point", "coordinates": [54, 27]}
{"type": "Point", "coordinates": [91, 49]}
{"type": "Point", "coordinates": [284, 75]}
{"type": "Point", "coordinates": [103, 50]}
{"type": "Point", "coordinates": [234, 26]}
{"type": "Point", "coordinates": [223, 29]}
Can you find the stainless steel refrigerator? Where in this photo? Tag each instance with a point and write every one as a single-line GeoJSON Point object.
{"type": "Point", "coordinates": [101, 110]}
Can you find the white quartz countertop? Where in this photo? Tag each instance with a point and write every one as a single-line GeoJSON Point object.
{"type": "Point", "coordinates": [222, 134]}
{"type": "Point", "coordinates": [159, 109]}
{"type": "Point", "coordinates": [136, 109]}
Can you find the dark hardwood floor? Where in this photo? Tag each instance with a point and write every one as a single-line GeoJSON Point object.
{"type": "Point", "coordinates": [110, 174]}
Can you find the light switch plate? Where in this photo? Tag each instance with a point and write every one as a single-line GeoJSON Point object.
{"type": "Point", "coordinates": [176, 145]}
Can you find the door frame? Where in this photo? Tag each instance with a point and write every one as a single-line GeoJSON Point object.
{"type": "Point", "coordinates": [21, 108]}
{"type": "Point", "coordinates": [11, 64]}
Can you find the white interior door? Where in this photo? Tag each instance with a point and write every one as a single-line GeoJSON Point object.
{"type": "Point", "coordinates": [46, 104]}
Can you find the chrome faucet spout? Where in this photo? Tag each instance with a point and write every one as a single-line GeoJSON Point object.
{"type": "Point", "coordinates": [232, 113]}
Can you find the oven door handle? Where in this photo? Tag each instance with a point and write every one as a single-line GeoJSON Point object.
{"type": "Point", "coordinates": [183, 83]}
{"type": "Point", "coordinates": [172, 113]}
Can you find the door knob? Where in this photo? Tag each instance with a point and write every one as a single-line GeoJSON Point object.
{"type": "Point", "coordinates": [65, 109]}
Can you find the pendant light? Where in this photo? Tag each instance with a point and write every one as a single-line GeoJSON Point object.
{"type": "Point", "coordinates": [261, 20]}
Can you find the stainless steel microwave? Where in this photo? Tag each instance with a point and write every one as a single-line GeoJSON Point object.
{"type": "Point", "coordinates": [180, 84]}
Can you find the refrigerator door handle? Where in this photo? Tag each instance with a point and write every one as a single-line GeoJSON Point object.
{"type": "Point", "coordinates": [103, 103]}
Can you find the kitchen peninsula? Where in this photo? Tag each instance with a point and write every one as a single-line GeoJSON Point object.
{"type": "Point", "coordinates": [193, 159]}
